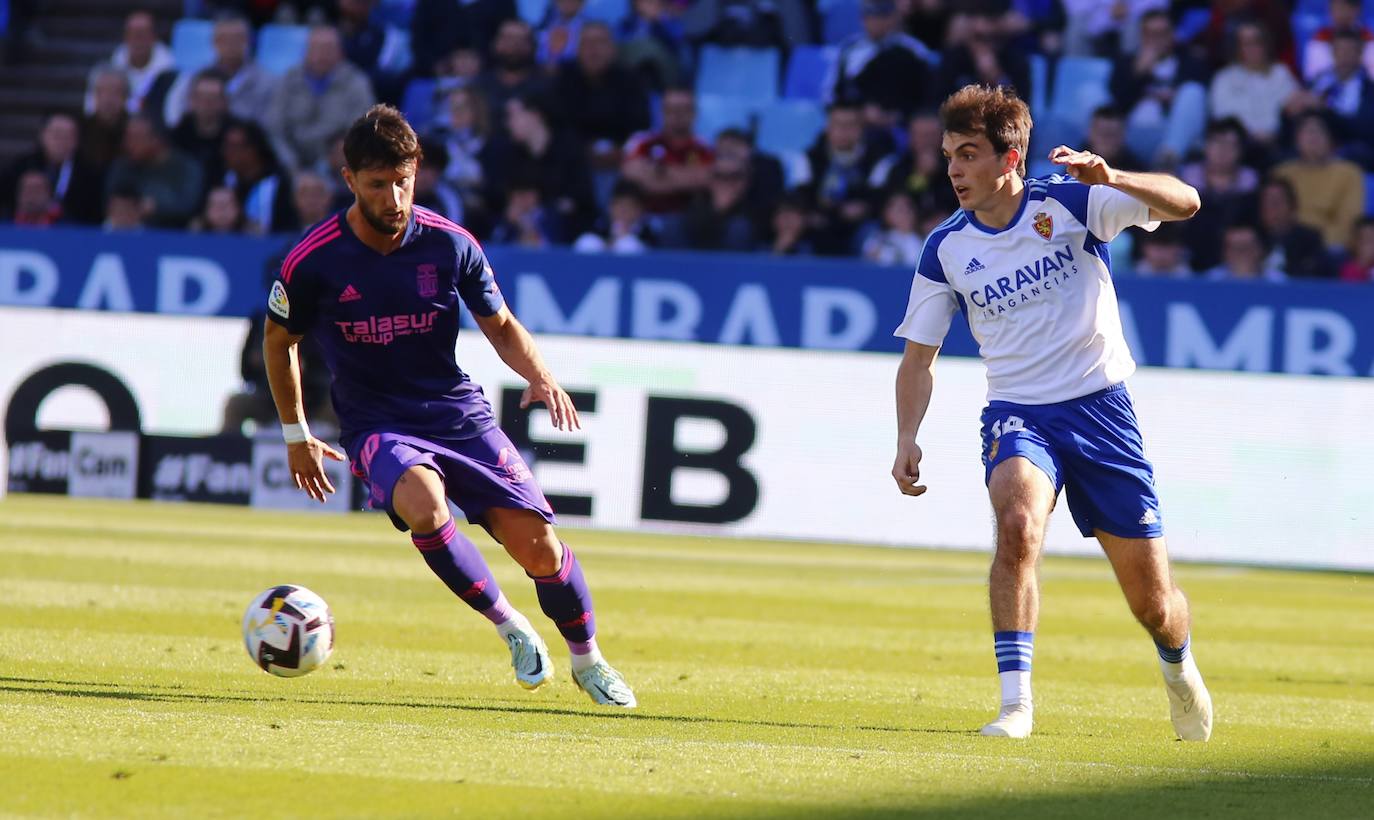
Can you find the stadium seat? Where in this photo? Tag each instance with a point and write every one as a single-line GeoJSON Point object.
{"type": "Point", "coordinates": [1080, 87]}
{"type": "Point", "coordinates": [716, 113]}
{"type": "Point", "coordinates": [1305, 25]}
{"type": "Point", "coordinates": [193, 44]}
{"type": "Point", "coordinates": [749, 73]}
{"type": "Point", "coordinates": [806, 72]}
{"type": "Point", "coordinates": [1369, 194]}
{"type": "Point", "coordinates": [1191, 24]}
{"type": "Point", "coordinates": [418, 102]}
{"type": "Point", "coordinates": [840, 18]}
{"type": "Point", "coordinates": [610, 11]}
{"type": "Point", "coordinates": [789, 125]}
{"type": "Point", "coordinates": [532, 11]}
{"type": "Point", "coordinates": [281, 47]}
{"type": "Point", "coordinates": [1039, 81]}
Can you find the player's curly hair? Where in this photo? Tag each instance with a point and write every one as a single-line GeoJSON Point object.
{"type": "Point", "coordinates": [381, 138]}
{"type": "Point", "coordinates": [996, 113]}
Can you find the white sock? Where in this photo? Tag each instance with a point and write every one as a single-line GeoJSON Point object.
{"type": "Point", "coordinates": [588, 659]}
{"type": "Point", "coordinates": [1185, 670]}
{"type": "Point", "coordinates": [516, 623]}
{"type": "Point", "coordinates": [1016, 688]}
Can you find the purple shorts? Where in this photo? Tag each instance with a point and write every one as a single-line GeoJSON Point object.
{"type": "Point", "coordinates": [479, 473]}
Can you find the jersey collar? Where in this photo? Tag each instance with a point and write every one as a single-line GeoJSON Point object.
{"type": "Point", "coordinates": [1020, 209]}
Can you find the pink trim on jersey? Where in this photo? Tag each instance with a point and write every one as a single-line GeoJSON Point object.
{"type": "Point", "coordinates": [434, 220]}
{"type": "Point", "coordinates": [327, 232]}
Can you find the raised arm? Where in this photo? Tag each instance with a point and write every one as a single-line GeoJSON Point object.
{"type": "Point", "coordinates": [915, 382]}
{"type": "Point", "coordinates": [1169, 198]}
{"type": "Point", "coordinates": [304, 452]}
{"type": "Point", "coordinates": [515, 346]}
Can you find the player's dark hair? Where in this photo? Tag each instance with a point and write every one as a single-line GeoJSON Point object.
{"type": "Point", "coordinates": [381, 138]}
{"type": "Point", "coordinates": [996, 113]}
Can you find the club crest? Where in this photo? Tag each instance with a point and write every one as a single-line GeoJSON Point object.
{"type": "Point", "coordinates": [1044, 225]}
{"type": "Point", "coordinates": [427, 280]}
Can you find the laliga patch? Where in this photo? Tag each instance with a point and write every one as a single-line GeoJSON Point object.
{"type": "Point", "coordinates": [277, 301]}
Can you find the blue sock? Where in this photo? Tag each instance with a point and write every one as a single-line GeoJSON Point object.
{"type": "Point", "coordinates": [1169, 655]}
{"type": "Point", "coordinates": [1014, 650]}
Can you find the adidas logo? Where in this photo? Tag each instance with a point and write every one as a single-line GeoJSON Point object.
{"type": "Point", "coordinates": [350, 294]}
{"type": "Point", "coordinates": [1149, 518]}
{"type": "Point", "coordinates": [973, 266]}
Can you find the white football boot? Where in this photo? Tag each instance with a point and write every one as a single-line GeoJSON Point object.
{"type": "Point", "coordinates": [529, 656]}
{"type": "Point", "coordinates": [1014, 721]}
{"type": "Point", "coordinates": [604, 685]}
{"type": "Point", "coordinates": [1190, 704]}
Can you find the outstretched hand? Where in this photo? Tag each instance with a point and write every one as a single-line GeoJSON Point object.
{"type": "Point", "coordinates": [1084, 166]}
{"type": "Point", "coordinates": [306, 461]}
{"type": "Point", "coordinates": [561, 410]}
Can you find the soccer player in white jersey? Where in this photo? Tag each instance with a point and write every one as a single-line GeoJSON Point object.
{"type": "Point", "coordinates": [1027, 262]}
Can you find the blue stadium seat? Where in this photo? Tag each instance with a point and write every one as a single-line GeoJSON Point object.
{"type": "Point", "coordinates": [1305, 26]}
{"type": "Point", "coordinates": [193, 44]}
{"type": "Point", "coordinates": [789, 125]}
{"type": "Point", "coordinates": [1080, 86]}
{"type": "Point", "coordinates": [532, 11]}
{"type": "Point", "coordinates": [840, 18]}
{"type": "Point", "coordinates": [1369, 194]}
{"type": "Point", "coordinates": [716, 113]}
{"type": "Point", "coordinates": [610, 11]}
{"type": "Point", "coordinates": [418, 103]}
{"type": "Point", "coordinates": [751, 73]}
{"type": "Point", "coordinates": [1040, 83]}
{"type": "Point", "coordinates": [281, 48]}
{"type": "Point", "coordinates": [806, 72]}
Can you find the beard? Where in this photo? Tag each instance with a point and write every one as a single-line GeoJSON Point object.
{"type": "Point", "coordinates": [379, 222]}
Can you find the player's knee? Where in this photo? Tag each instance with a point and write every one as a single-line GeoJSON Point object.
{"type": "Point", "coordinates": [1018, 537]}
{"type": "Point", "coordinates": [1153, 612]}
{"type": "Point", "coordinates": [419, 502]}
{"type": "Point", "coordinates": [541, 559]}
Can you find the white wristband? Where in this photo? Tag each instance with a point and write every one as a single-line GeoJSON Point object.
{"type": "Point", "coordinates": [297, 433]}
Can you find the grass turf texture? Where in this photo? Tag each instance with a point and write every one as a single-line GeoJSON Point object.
{"type": "Point", "coordinates": [775, 680]}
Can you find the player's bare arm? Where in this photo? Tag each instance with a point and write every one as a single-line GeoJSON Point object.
{"type": "Point", "coordinates": [516, 347]}
{"type": "Point", "coordinates": [915, 381]}
{"type": "Point", "coordinates": [280, 353]}
{"type": "Point", "coordinates": [1170, 199]}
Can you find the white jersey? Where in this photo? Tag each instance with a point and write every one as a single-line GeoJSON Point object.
{"type": "Point", "coordinates": [1038, 293]}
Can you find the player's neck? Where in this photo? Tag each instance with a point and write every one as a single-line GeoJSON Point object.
{"type": "Point", "coordinates": [370, 236]}
{"type": "Point", "coordinates": [1001, 207]}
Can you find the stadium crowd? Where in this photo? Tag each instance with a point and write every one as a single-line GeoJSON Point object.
{"type": "Point", "coordinates": [616, 127]}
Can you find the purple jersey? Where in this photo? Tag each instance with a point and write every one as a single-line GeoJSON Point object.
{"type": "Point", "coordinates": [388, 324]}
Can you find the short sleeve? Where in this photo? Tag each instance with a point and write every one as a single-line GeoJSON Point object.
{"type": "Point", "coordinates": [1111, 211]}
{"type": "Point", "coordinates": [291, 301]}
{"type": "Point", "coordinates": [932, 303]}
{"type": "Point", "coordinates": [477, 283]}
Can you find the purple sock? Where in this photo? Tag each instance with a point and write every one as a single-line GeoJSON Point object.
{"type": "Point", "coordinates": [455, 559]}
{"type": "Point", "coordinates": [564, 597]}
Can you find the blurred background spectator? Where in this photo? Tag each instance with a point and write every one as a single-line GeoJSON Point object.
{"type": "Point", "coordinates": [316, 99]}
{"type": "Point", "coordinates": [168, 181]}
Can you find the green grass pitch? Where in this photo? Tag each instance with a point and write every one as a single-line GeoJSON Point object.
{"type": "Point", "coordinates": [775, 681]}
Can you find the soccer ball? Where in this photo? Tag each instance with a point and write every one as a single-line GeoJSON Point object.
{"type": "Point", "coordinates": [288, 631]}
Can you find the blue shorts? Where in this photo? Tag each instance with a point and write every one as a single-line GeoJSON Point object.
{"type": "Point", "coordinates": [479, 473]}
{"type": "Point", "coordinates": [1089, 446]}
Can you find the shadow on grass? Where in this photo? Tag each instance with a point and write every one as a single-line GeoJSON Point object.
{"type": "Point", "coordinates": [175, 694]}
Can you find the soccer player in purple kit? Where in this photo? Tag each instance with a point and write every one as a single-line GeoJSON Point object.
{"type": "Point", "coordinates": [380, 286]}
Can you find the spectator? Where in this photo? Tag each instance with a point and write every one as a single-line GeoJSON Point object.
{"type": "Point", "coordinates": [258, 180]}
{"type": "Point", "coordinates": [749, 23]}
{"type": "Point", "coordinates": [882, 68]}
{"type": "Point", "coordinates": [791, 237]}
{"type": "Point", "coordinates": [719, 218]}
{"type": "Point", "coordinates": [511, 70]}
{"type": "Point", "coordinates": [1226, 186]}
{"type": "Point", "coordinates": [764, 172]}
{"type": "Point", "coordinates": [432, 191]}
{"type": "Point", "coordinates": [626, 230]}
{"type": "Point", "coordinates": [315, 100]}
{"type": "Point", "coordinates": [1162, 88]}
{"type": "Point", "coordinates": [672, 165]}
{"type": "Point", "coordinates": [312, 197]}
{"type": "Point", "coordinates": [462, 68]}
{"type": "Point", "coordinates": [1243, 256]}
{"type": "Point", "coordinates": [552, 159]}
{"type": "Point", "coordinates": [102, 128]}
{"type": "Point", "coordinates": [1163, 254]}
{"type": "Point", "coordinates": [527, 221]}
{"type": "Point", "coordinates": [1254, 87]}
{"type": "Point", "coordinates": [249, 87]}
{"type": "Point", "coordinates": [984, 57]}
{"type": "Point", "coordinates": [898, 242]}
{"type": "Point", "coordinates": [35, 205]}
{"type": "Point", "coordinates": [1217, 41]}
{"type": "Point", "coordinates": [1107, 139]}
{"type": "Point", "coordinates": [1296, 250]}
{"type": "Point", "coordinates": [201, 131]}
{"type": "Point", "coordinates": [465, 136]}
{"type": "Point", "coordinates": [1360, 266]}
{"type": "Point", "coordinates": [382, 53]}
{"type": "Point", "coordinates": [1342, 16]}
{"type": "Point", "coordinates": [221, 215]}
{"type": "Point", "coordinates": [1330, 191]}
{"type": "Point", "coordinates": [601, 100]}
{"type": "Point", "coordinates": [438, 27]}
{"type": "Point", "coordinates": [168, 182]}
{"type": "Point", "coordinates": [919, 170]}
{"type": "Point", "coordinates": [1347, 92]}
{"type": "Point", "coordinates": [836, 184]}
{"type": "Point", "coordinates": [1105, 27]}
{"type": "Point", "coordinates": [559, 32]}
{"type": "Point", "coordinates": [123, 208]}
{"type": "Point", "coordinates": [76, 187]}
{"type": "Point", "coordinates": [653, 44]}
{"type": "Point", "coordinates": [142, 59]}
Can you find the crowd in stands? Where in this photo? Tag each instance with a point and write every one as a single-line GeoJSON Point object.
{"type": "Point", "coordinates": [609, 126]}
